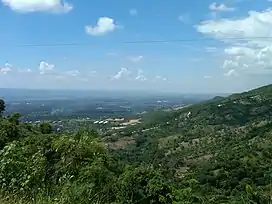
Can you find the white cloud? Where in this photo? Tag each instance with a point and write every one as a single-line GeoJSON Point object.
{"type": "Point", "coordinates": [231, 73]}
{"type": "Point", "coordinates": [7, 68]}
{"type": "Point", "coordinates": [247, 39]}
{"type": "Point", "coordinates": [104, 25]}
{"type": "Point", "coordinates": [8, 65]}
{"type": "Point", "coordinates": [133, 12]}
{"type": "Point", "coordinates": [207, 77]}
{"type": "Point", "coordinates": [123, 73]}
{"type": "Point", "coordinates": [249, 58]}
{"type": "Point", "coordinates": [24, 6]}
{"type": "Point", "coordinates": [135, 58]}
{"type": "Point", "coordinates": [46, 68]}
{"type": "Point", "coordinates": [220, 8]}
{"type": "Point", "coordinates": [140, 76]}
{"type": "Point", "coordinates": [248, 29]}
{"type": "Point", "coordinates": [230, 64]}
{"type": "Point", "coordinates": [237, 51]}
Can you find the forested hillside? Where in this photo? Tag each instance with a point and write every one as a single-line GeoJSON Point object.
{"type": "Point", "coordinates": [218, 151]}
{"type": "Point", "coordinates": [212, 150]}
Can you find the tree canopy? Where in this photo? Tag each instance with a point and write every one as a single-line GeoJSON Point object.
{"type": "Point", "coordinates": [2, 107]}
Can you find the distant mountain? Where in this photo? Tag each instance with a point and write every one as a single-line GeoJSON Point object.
{"type": "Point", "coordinates": [236, 109]}
{"type": "Point", "coordinates": [218, 97]}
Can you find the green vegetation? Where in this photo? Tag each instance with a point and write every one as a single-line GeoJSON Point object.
{"type": "Point", "coordinates": [45, 128]}
{"type": "Point", "coordinates": [218, 151]}
{"type": "Point", "coordinates": [2, 107]}
{"type": "Point", "coordinates": [213, 150]}
{"type": "Point", "coordinates": [39, 167]}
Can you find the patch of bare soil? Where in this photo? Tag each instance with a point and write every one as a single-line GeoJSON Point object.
{"type": "Point", "coordinates": [121, 143]}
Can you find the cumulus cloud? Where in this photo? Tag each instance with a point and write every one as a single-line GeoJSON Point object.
{"type": "Point", "coordinates": [220, 8]}
{"type": "Point", "coordinates": [123, 73]}
{"type": "Point", "coordinates": [104, 25]}
{"type": "Point", "coordinates": [247, 39]}
{"type": "Point", "coordinates": [230, 64]}
{"type": "Point", "coordinates": [25, 6]}
{"type": "Point", "coordinates": [47, 71]}
{"type": "Point", "coordinates": [247, 29]}
{"type": "Point", "coordinates": [240, 51]}
{"type": "Point", "coordinates": [7, 68]}
{"type": "Point", "coordinates": [135, 58]}
{"type": "Point", "coordinates": [46, 68]}
{"type": "Point", "coordinates": [140, 76]}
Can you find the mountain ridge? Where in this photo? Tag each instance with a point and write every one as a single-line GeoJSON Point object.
{"type": "Point", "coordinates": [219, 143]}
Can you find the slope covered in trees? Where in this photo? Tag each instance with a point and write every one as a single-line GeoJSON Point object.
{"type": "Point", "coordinates": [218, 151]}
{"type": "Point", "coordinates": [213, 149]}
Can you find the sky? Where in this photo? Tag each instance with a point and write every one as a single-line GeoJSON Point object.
{"type": "Point", "coordinates": [189, 46]}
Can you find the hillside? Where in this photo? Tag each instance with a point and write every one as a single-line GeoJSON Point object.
{"type": "Point", "coordinates": [218, 151]}
{"type": "Point", "coordinates": [223, 144]}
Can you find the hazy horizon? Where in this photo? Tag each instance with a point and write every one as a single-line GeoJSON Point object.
{"type": "Point", "coordinates": [54, 90]}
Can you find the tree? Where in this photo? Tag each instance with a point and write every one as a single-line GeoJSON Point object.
{"type": "Point", "coordinates": [45, 128]}
{"type": "Point", "coordinates": [14, 118]}
{"type": "Point", "coordinates": [8, 132]}
{"type": "Point", "coordinates": [143, 185]}
{"type": "Point", "coordinates": [2, 107]}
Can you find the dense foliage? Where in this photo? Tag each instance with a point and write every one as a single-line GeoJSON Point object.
{"type": "Point", "coordinates": [2, 106]}
{"type": "Point", "coordinates": [219, 151]}
{"type": "Point", "coordinates": [39, 167]}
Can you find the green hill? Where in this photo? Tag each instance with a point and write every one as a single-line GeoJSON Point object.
{"type": "Point", "coordinates": [223, 144]}
{"type": "Point", "coordinates": [218, 151]}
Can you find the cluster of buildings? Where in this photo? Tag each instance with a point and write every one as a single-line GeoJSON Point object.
{"type": "Point", "coordinates": [109, 120]}
{"type": "Point", "coordinates": [101, 122]}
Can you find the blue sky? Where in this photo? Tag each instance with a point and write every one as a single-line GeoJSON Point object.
{"type": "Point", "coordinates": [103, 60]}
